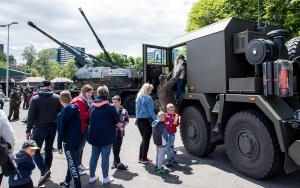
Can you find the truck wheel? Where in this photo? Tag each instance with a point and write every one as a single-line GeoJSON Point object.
{"type": "Point", "coordinates": [195, 132]}
{"type": "Point", "coordinates": [252, 145]}
{"type": "Point", "coordinates": [129, 103]}
{"type": "Point", "coordinates": [293, 47]}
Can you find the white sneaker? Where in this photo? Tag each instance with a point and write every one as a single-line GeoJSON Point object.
{"type": "Point", "coordinates": [107, 180]}
{"type": "Point", "coordinates": [82, 173]}
{"type": "Point", "coordinates": [93, 179]}
{"type": "Point", "coordinates": [81, 167]}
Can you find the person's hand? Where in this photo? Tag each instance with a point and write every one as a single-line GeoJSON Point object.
{"type": "Point", "coordinates": [119, 124]}
{"type": "Point", "coordinates": [28, 136]}
{"type": "Point", "coordinates": [182, 67]}
{"type": "Point", "coordinates": [60, 151]}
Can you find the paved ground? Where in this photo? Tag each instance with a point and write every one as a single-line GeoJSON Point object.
{"type": "Point", "coordinates": [212, 171]}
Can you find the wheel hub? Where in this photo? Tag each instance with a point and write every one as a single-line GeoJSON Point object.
{"type": "Point", "coordinates": [248, 146]}
{"type": "Point", "coordinates": [192, 131]}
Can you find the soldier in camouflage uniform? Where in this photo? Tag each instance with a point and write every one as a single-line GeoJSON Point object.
{"type": "Point", "coordinates": [165, 89]}
{"type": "Point", "coordinates": [14, 104]}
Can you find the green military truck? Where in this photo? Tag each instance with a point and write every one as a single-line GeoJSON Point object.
{"type": "Point", "coordinates": [244, 83]}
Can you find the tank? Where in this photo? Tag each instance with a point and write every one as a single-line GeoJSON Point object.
{"type": "Point", "coordinates": [243, 84]}
{"type": "Point", "coordinates": [124, 82]}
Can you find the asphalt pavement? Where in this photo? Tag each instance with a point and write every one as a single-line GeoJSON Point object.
{"type": "Point", "coordinates": [189, 171]}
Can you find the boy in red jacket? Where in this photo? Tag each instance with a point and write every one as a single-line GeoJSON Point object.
{"type": "Point", "coordinates": [171, 123]}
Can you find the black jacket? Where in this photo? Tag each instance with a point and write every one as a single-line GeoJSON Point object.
{"type": "Point", "coordinates": [43, 109]}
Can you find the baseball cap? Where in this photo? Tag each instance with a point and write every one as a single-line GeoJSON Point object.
{"type": "Point", "coordinates": [30, 144]}
{"type": "Point", "coordinates": [45, 83]}
{"type": "Point", "coordinates": [162, 78]}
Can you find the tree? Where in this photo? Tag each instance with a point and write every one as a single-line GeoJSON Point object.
{"type": "Point", "coordinates": [69, 69]}
{"type": "Point", "coordinates": [2, 56]}
{"type": "Point", "coordinates": [282, 13]}
{"type": "Point", "coordinates": [43, 63]}
{"type": "Point", "coordinates": [138, 65]}
{"type": "Point", "coordinates": [2, 64]}
{"type": "Point", "coordinates": [29, 54]}
{"type": "Point", "coordinates": [12, 61]}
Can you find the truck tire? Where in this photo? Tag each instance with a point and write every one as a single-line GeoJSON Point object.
{"type": "Point", "coordinates": [252, 145]}
{"type": "Point", "coordinates": [195, 132]}
{"type": "Point", "coordinates": [129, 103]}
{"type": "Point", "coordinates": [293, 47]}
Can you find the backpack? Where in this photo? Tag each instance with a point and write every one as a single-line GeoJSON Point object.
{"type": "Point", "coordinates": [4, 151]}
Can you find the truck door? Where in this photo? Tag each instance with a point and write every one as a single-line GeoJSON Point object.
{"type": "Point", "coordinates": [157, 60]}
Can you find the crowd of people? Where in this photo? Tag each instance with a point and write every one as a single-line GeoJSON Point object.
{"type": "Point", "coordinates": [99, 122]}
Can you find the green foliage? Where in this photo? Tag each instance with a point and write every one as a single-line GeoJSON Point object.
{"type": "Point", "coordinates": [284, 13]}
{"type": "Point", "coordinates": [2, 56]}
{"type": "Point", "coordinates": [2, 64]}
{"type": "Point", "coordinates": [29, 54]}
{"type": "Point", "coordinates": [43, 63]}
{"type": "Point", "coordinates": [138, 65]}
{"type": "Point", "coordinates": [69, 69]}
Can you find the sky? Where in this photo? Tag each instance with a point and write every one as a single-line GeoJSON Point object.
{"type": "Point", "coordinates": [122, 25]}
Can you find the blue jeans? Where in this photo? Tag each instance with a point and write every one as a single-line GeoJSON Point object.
{"type": "Point", "coordinates": [179, 88]}
{"type": "Point", "coordinates": [39, 135]}
{"type": "Point", "coordinates": [72, 159]}
{"type": "Point", "coordinates": [170, 146]}
{"type": "Point", "coordinates": [105, 152]}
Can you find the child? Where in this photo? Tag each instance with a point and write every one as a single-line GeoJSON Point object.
{"type": "Point", "coordinates": [180, 61]}
{"type": "Point", "coordinates": [159, 137]}
{"type": "Point", "coordinates": [69, 132]}
{"type": "Point", "coordinates": [25, 166]}
{"type": "Point", "coordinates": [124, 119]}
{"type": "Point", "coordinates": [171, 123]}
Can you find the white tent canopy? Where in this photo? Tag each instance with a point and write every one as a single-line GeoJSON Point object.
{"type": "Point", "coordinates": [32, 80]}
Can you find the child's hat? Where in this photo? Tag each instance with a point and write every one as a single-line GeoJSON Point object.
{"type": "Point", "coordinates": [30, 144]}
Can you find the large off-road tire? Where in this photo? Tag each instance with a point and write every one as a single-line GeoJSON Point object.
{"type": "Point", "coordinates": [129, 103]}
{"type": "Point", "coordinates": [195, 132]}
{"type": "Point", "coordinates": [252, 145]}
{"type": "Point", "coordinates": [293, 47]}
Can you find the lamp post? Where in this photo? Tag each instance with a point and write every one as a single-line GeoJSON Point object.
{"type": "Point", "coordinates": [7, 55]}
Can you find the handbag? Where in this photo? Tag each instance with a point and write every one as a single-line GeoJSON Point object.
{"type": "Point", "coordinates": [4, 151]}
{"type": "Point", "coordinates": [9, 168]}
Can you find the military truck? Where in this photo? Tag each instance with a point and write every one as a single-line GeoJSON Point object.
{"type": "Point", "coordinates": [244, 83]}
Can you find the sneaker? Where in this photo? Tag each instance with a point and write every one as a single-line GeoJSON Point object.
{"type": "Point", "coordinates": [81, 167]}
{"type": "Point", "coordinates": [169, 163]}
{"type": "Point", "coordinates": [121, 166]}
{"type": "Point", "coordinates": [82, 173]}
{"type": "Point", "coordinates": [44, 178]}
{"type": "Point", "coordinates": [140, 160]}
{"type": "Point", "coordinates": [107, 180]}
{"type": "Point", "coordinates": [114, 165]}
{"type": "Point", "coordinates": [145, 161]}
{"type": "Point", "coordinates": [93, 179]}
{"type": "Point", "coordinates": [161, 171]}
{"type": "Point", "coordinates": [64, 184]}
{"type": "Point", "coordinates": [175, 151]}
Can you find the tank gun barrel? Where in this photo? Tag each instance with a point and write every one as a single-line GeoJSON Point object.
{"type": "Point", "coordinates": [80, 61]}
{"type": "Point", "coordinates": [108, 58]}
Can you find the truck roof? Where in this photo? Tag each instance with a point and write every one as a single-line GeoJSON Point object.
{"type": "Point", "coordinates": [204, 31]}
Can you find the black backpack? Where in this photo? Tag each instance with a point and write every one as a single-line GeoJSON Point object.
{"type": "Point", "coordinates": [4, 151]}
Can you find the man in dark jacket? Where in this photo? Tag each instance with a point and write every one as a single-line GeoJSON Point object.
{"type": "Point", "coordinates": [102, 133]}
{"type": "Point", "coordinates": [42, 115]}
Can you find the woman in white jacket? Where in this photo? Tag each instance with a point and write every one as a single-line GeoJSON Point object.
{"type": "Point", "coordinates": [7, 133]}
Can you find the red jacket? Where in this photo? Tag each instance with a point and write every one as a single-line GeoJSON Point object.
{"type": "Point", "coordinates": [172, 122]}
{"type": "Point", "coordinates": [84, 112]}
